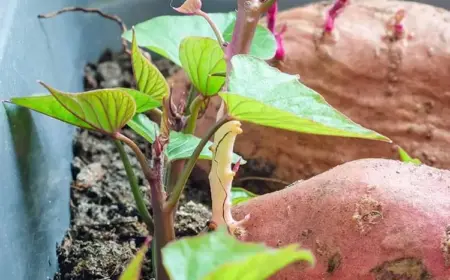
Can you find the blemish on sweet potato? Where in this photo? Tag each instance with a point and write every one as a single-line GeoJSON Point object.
{"type": "Point", "coordinates": [404, 268]}
{"type": "Point", "coordinates": [445, 246]}
{"type": "Point", "coordinates": [334, 262]}
{"type": "Point", "coordinates": [368, 213]}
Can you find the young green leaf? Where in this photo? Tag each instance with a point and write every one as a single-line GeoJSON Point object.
{"type": "Point", "coordinates": [144, 127]}
{"type": "Point", "coordinates": [49, 106]}
{"type": "Point", "coordinates": [163, 35]}
{"type": "Point", "coordinates": [149, 80]}
{"type": "Point", "coordinates": [189, 7]}
{"type": "Point", "coordinates": [143, 101]}
{"type": "Point", "coordinates": [133, 269]}
{"type": "Point", "coordinates": [106, 110]}
{"type": "Point", "coordinates": [227, 258]}
{"type": "Point", "coordinates": [181, 146]}
{"type": "Point", "coordinates": [263, 44]}
{"type": "Point", "coordinates": [201, 58]}
{"type": "Point", "coordinates": [407, 158]}
{"type": "Point", "coordinates": [263, 95]}
{"type": "Point", "coordinates": [239, 195]}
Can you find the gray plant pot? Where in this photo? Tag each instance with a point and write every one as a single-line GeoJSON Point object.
{"type": "Point", "coordinates": [35, 151]}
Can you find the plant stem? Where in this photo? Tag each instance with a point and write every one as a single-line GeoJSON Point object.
{"type": "Point", "coordinates": [248, 15]}
{"type": "Point", "coordinates": [115, 18]}
{"type": "Point", "coordinates": [195, 107]}
{"type": "Point", "coordinates": [169, 206]}
{"type": "Point", "coordinates": [164, 231]}
{"type": "Point", "coordinates": [190, 99]}
{"type": "Point", "coordinates": [139, 155]}
{"type": "Point", "coordinates": [140, 204]}
{"type": "Point", "coordinates": [214, 27]}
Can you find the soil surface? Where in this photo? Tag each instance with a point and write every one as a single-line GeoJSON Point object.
{"type": "Point", "coordinates": [106, 231]}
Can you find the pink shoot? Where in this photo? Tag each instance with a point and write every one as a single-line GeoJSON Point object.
{"type": "Point", "coordinates": [332, 13]}
{"type": "Point", "coordinates": [271, 20]}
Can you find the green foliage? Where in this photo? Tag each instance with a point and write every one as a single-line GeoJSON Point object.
{"type": "Point", "coordinates": [105, 110]}
{"type": "Point", "coordinates": [133, 269]}
{"type": "Point", "coordinates": [181, 145]}
{"type": "Point", "coordinates": [263, 45]}
{"type": "Point", "coordinates": [239, 195]}
{"type": "Point", "coordinates": [144, 102]}
{"type": "Point", "coordinates": [163, 35]}
{"type": "Point", "coordinates": [227, 258]}
{"type": "Point", "coordinates": [143, 126]}
{"type": "Point", "coordinates": [263, 95]}
{"type": "Point", "coordinates": [149, 80]}
{"type": "Point", "coordinates": [201, 58]}
{"type": "Point", "coordinates": [407, 158]}
{"type": "Point", "coordinates": [48, 105]}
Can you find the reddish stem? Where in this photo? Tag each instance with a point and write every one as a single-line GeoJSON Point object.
{"type": "Point", "coordinates": [332, 14]}
{"type": "Point", "coordinates": [271, 21]}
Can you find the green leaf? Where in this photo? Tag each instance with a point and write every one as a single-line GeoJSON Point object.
{"type": "Point", "coordinates": [239, 195]}
{"type": "Point", "coordinates": [263, 95]}
{"type": "Point", "coordinates": [163, 35]}
{"type": "Point", "coordinates": [106, 110]}
{"type": "Point", "coordinates": [148, 78]}
{"type": "Point", "coordinates": [218, 255]}
{"type": "Point", "coordinates": [404, 157]}
{"type": "Point", "coordinates": [263, 44]}
{"type": "Point", "coordinates": [181, 146]}
{"type": "Point", "coordinates": [144, 127]}
{"type": "Point", "coordinates": [143, 101]}
{"type": "Point", "coordinates": [133, 270]}
{"type": "Point", "coordinates": [202, 57]}
{"type": "Point", "coordinates": [49, 106]}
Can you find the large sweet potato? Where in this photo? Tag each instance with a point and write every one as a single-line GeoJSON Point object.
{"type": "Point", "coordinates": [399, 88]}
{"type": "Point", "coordinates": [367, 219]}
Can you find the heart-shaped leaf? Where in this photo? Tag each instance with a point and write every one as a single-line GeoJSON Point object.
{"type": "Point", "coordinates": [201, 58]}
{"type": "Point", "coordinates": [143, 101]}
{"type": "Point", "coordinates": [227, 258]}
{"type": "Point", "coordinates": [152, 34]}
{"type": "Point", "coordinates": [163, 35]}
{"type": "Point", "coordinates": [133, 269]}
{"type": "Point", "coordinates": [239, 195]}
{"type": "Point", "coordinates": [106, 110]}
{"type": "Point", "coordinates": [49, 106]}
{"type": "Point", "coordinates": [143, 126]}
{"type": "Point", "coordinates": [181, 146]}
{"type": "Point", "coordinates": [263, 95]}
{"type": "Point", "coordinates": [148, 78]}
{"type": "Point", "coordinates": [263, 44]}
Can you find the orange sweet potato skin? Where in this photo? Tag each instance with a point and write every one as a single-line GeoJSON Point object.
{"type": "Point", "coordinates": [366, 219]}
{"type": "Point", "coordinates": [399, 88]}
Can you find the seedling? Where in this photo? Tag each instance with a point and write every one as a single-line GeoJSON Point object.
{"type": "Point", "coordinates": [224, 55]}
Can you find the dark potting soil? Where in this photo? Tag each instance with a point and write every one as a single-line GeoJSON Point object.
{"type": "Point", "coordinates": [106, 231]}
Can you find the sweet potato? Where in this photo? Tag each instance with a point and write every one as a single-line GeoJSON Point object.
{"type": "Point", "coordinates": [399, 88]}
{"type": "Point", "coordinates": [365, 219]}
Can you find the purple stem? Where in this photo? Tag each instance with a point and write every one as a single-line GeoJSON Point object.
{"type": "Point", "coordinates": [332, 14]}
{"type": "Point", "coordinates": [271, 21]}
